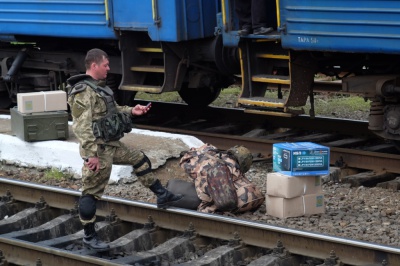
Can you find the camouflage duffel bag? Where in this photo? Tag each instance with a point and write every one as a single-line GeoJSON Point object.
{"type": "Point", "coordinates": [249, 195]}
{"type": "Point", "coordinates": [190, 199]}
{"type": "Point", "coordinates": [221, 187]}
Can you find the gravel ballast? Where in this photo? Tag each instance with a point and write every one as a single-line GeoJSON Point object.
{"type": "Point", "coordinates": [360, 213]}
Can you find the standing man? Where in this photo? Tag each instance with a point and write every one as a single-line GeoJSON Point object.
{"type": "Point", "coordinates": [99, 123]}
{"type": "Point", "coordinates": [252, 16]}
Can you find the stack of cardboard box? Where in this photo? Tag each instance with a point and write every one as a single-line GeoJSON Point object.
{"type": "Point", "coordinates": [40, 116]}
{"type": "Point", "coordinates": [294, 188]}
{"type": "Point", "coordinates": [43, 101]}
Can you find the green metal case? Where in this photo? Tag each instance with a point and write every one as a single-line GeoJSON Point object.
{"type": "Point", "coordinates": [39, 126]}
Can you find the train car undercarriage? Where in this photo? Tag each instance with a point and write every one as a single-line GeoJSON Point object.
{"type": "Point", "coordinates": [199, 70]}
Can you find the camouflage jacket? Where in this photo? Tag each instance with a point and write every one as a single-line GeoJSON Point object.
{"type": "Point", "coordinates": [197, 162]}
{"type": "Point", "coordinates": [87, 106]}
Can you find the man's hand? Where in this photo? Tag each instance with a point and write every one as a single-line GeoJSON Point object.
{"type": "Point", "coordinates": [140, 109]}
{"type": "Point", "coordinates": [93, 163]}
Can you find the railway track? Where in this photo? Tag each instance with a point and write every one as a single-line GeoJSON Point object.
{"type": "Point", "coordinates": [176, 236]}
{"type": "Point", "coordinates": [40, 226]}
{"type": "Point", "coordinates": [351, 143]}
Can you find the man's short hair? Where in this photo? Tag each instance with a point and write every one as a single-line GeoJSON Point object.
{"type": "Point", "coordinates": [94, 56]}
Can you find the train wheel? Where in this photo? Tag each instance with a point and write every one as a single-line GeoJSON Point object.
{"type": "Point", "coordinates": [396, 143]}
{"type": "Point", "coordinates": [199, 97]}
{"type": "Point", "coordinates": [126, 98]}
{"type": "Point", "coordinates": [5, 101]}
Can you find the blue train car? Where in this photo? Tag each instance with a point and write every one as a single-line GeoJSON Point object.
{"type": "Point", "coordinates": [193, 47]}
{"type": "Point", "coordinates": [56, 18]}
{"type": "Point", "coordinates": [167, 20]}
{"type": "Point", "coordinates": [154, 46]}
{"type": "Point", "coordinates": [356, 26]}
{"type": "Point", "coordinates": [356, 42]}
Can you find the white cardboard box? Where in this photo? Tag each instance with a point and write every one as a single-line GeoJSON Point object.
{"type": "Point", "coordinates": [31, 102]}
{"type": "Point", "coordinates": [43, 101]}
{"type": "Point", "coordinates": [55, 101]}
{"type": "Point", "coordinates": [285, 186]}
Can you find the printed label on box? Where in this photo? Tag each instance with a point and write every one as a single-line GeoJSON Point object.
{"type": "Point", "coordinates": [319, 201]}
{"type": "Point", "coordinates": [28, 105]}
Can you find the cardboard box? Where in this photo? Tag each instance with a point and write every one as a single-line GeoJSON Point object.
{"type": "Point", "coordinates": [300, 158]}
{"type": "Point", "coordinates": [55, 101]}
{"type": "Point", "coordinates": [31, 102]}
{"type": "Point", "coordinates": [280, 185]}
{"type": "Point", "coordinates": [39, 126]}
{"type": "Point", "coordinates": [295, 207]}
{"type": "Point", "coordinates": [43, 101]}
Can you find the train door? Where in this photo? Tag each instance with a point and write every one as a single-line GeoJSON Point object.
{"type": "Point", "coordinates": [266, 65]}
{"type": "Point", "coordinates": [170, 45]}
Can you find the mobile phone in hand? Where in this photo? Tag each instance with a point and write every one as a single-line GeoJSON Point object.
{"type": "Point", "coordinates": [148, 105]}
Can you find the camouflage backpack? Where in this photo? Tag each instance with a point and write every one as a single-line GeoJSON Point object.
{"type": "Point", "coordinates": [220, 185]}
{"type": "Point", "coordinates": [219, 182]}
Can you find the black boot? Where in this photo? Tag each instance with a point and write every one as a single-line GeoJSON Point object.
{"type": "Point", "coordinates": [91, 239]}
{"type": "Point", "coordinates": [164, 197]}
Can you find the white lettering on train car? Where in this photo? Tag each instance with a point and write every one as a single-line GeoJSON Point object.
{"type": "Point", "coordinates": [307, 39]}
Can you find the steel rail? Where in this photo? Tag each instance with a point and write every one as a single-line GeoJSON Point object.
{"type": "Point", "coordinates": [237, 115]}
{"type": "Point", "coordinates": [316, 245]}
{"type": "Point", "coordinates": [374, 161]}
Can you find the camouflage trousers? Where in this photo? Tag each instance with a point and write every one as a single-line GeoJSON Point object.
{"type": "Point", "coordinates": [249, 197]}
{"type": "Point", "coordinates": [94, 183]}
